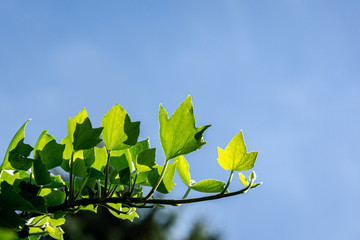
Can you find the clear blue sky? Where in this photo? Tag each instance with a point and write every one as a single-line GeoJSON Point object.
{"type": "Point", "coordinates": [286, 72]}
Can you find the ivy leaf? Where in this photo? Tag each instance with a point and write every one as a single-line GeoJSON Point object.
{"type": "Point", "coordinates": [48, 151]}
{"type": "Point", "coordinates": [18, 157]}
{"type": "Point", "coordinates": [167, 183]}
{"type": "Point", "coordinates": [119, 132]}
{"type": "Point", "coordinates": [52, 197]}
{"type": "Point", "coordinates": [146, 160]}
{"type": "Point", "coordinates": [81, 133]}
{"type": "Point", "coordinates": [56, 232]}
{"type": "Point", "coordinates": [235, 157]}
{"type": "Point", "coordinates": [100, 158]}
{"type": "Point", "coordinates": [208, 186]}
{"type": "Point", "coordinates": [138, 148]}
{"type": "Point", "coordinates": [9, 219]}
{"type": "Point", "coordinates": [182, 167]}
{"type": "Point", "coordinates": [85, 136]}
{"type": "Point", "coordinates": [121, 159]}
{"type": "Point", "coordinates": [243, 180]}
{"type": "Point", "coordinates": [178, 134]}
{"type": "Point", "coordinates": [19, 136]}
{"type": "Point", "coordinates": [41, 172]}
{"type": "Point", "coordinates": [13, 200]}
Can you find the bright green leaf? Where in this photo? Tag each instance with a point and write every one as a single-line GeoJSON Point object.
{"type": "Point", "coordinates": [208, 186]}
{"type": "Point", "coordinates": [119, 132]}
{"type": "Point", "coordinates": [100, 158]}
{"type": "Point", "coordinates": [235, 156]}
{"type": "Point", "coordinates": [68, 147]}
{"type": "Point", "coordinates": [182, 167]}
{"type": "Point", "coordinates": [19, 136]}
{"type": "Point", "coordinates": [243, 180]}
{"type": "Point", "coordinates": [178, 135]}
{"type": "Point", "coordinates": [55, 232]}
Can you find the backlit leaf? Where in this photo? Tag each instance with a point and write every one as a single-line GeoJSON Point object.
{"type": "Point", "coordinates": [146, 160]}
{"type": "Point", "coordinates": [182, 167]}
{"type": "Point", "coordinates": [208, 186]}
{"type": "Point", "coordinates": [235, 156]}
{"type": "Point", "coordinates": [178, 134]}
{"type": "Point", "coordinates": [119, 132]}
{"type": "Point", "coordinates": [18, 157]}
{"type": "Point", "coordinates": [19, 136]}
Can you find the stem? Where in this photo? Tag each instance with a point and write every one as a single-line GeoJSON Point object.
{"type": "Point", "coordinates": [82, 187]}
{"type": "Point", "coordinates": [228, 182]}
{"type": "Point", "coordinates": [133, 186]}
{"type": "Point", "coordinates": [186, 193]}
{"type": "Point", "coordinates": [158, 181]}
{"type": "Point", "coordinates": [71, 193]}
{"type": "Point", "coordinates": [99, 188]}
{"type": "Point", "coordinates": [107, 169]}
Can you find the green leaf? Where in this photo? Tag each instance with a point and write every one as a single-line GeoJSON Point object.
{"type": "Point", "coordinates": [13, 200]}
{"type": "Point", "coordinates": [235, 156]}
{"type": "Point", "coordinates": [79, 168]}
{"type": "Point", "coordinates": [138, 148]}
{"type": "Point", "coordinates": [119, 132]}
{"type": "Point", "coordinates": [252, 176]}
{"type": "Point", "coordinates": [167, 183]}
{"type": "Point", "coordinates": [95, 174]}
{"type": "Point", "coordinates": [9, 219]}
{"type": "Point", "coordinates": [178, 135]}
{"type": "Point", "coordinates": [18, 157]}
{"type": "Point", "coordinates": [41, 172]}
{"type": "Point", "coordinates": [68, 147]}
{"type": "Point", "coordinates": [100, 158]}
{"type": "Point", "coordinates": [85, 136]}
{"type": "Point", "coordinates": [51, 153]}
{"type": "Point", "coordinates": [243, 180]}
{"type": "Point", "coordinates": [56, 182]}
{"type": "Point", "coordinates": [256, 185]}
{"type": "Point", "coordinates": [146, 160]}
{"type": "Point", "coordinates": [182, 167]}
{"type": "Point", "coordinates": [52, 197]}
{"type": "Point", "coordinates": [55, 232]}
{"type": "Point", "coordinates": [208, 186]}
{"type": "Point", "coordinates": [19, 136]}
{"type": "Point", "coordinates": [121, 159]}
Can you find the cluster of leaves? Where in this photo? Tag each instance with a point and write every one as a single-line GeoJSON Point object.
{"type": "Point", "coordinates": [106, 166]}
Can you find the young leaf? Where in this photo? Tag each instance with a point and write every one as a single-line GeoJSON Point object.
{"type": "Point", "coordinates": [55, 232]}
{"type": "Point", "coordinates": [208, 186]}
{"type": "Point", "coordinates": [243, 180]}
{"type": "Point", "coordinates": [167, 183]}
{"type": "Point", "coordinates": [119, 132]}
{"type": "Point", "coordinates": [182, 167]}
{"type": "Point", "coordinates": [178, 135]}
{"type": "Point", "coordinates": [18, 157]}
{"type": "Point", "coordinates": [235, 157]}
{"type": "Point", "coordinates": [19, 136]}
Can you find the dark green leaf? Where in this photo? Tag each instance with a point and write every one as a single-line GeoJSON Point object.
{"type": "Point", "coordinates": [9, 219]}
{"type": "Point", "coordinates": [146, 160]}
{"type": "Point", "coordinates": [121, 159]}
{"type": "Point", "coordinates": [167, 183]}
{"type": "Point", "coordinates": [52, 154]}
{"type": "Point", "coordinates": [85, 136]}
{"type": "Point", "coordinates": [18, 157]}
{"type": "Point", "coordinates": [19, 136]}
{"type": "Point", "coordinates": [178, 135]}
{"type": "Point", "coordinates": [119, 132]}
{"type": "Point", "coordinates": [41, 172]}
{"type": "Point", "coordinates": [95, 174]}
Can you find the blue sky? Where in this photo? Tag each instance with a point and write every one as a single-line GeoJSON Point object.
{"type": "Point", "coordinates": [286, 72]}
